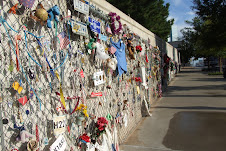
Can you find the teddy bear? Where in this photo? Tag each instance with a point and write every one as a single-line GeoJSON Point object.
{"type": "Point", "coordinates": [53, 12]}
{"type": "Point", "coordinates": [130, 49]}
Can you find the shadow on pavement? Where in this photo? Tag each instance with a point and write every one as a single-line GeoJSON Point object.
{"type": "Point", "coordinates": [196, 131]}
{"type": "Point", "coordinates": [204, 87]}
{"type": "Point", "coordinates": [192, 107]}
{"type": "Point", "coordinates": [191, 71]}
{"type": "Point", "coordinates": [213, 79]}
{"type": "Point", "coordinates": [212, 95]}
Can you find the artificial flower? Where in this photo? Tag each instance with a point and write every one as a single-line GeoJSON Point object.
{"type": "Point", "coordinates": [85, 138]}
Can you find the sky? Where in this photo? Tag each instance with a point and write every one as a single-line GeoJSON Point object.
{"type": "Point", "coordinates": [181, 11]}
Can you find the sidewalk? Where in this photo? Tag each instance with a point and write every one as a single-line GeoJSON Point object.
{"type": "Point", "coordinates": [191, 117]}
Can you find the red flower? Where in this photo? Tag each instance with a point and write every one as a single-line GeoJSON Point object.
{"type": "Point", "coordinates": [138, 48]}
{"type": "Point", "coordinates": [138, 79]}
{"type": "Point", "coordinates": [101, 123]}
{"type": "Point", "coordinates": [101, 128]}
{"type": "Point", "coordinates": [102, 120]}
{"type": "Point", "coordinates": [85, 137]}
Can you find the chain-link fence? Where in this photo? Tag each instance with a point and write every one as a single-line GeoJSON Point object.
{"type": "Point", "coordinates": [46, 72]}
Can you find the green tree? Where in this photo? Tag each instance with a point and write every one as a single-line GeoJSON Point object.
{"type": "Point", "coordinates": [151, 14]}
{"type": "Point", "coordinates": [187, 48]}
{"type": "Point", "coordinates": [209, 35]}
{"type": "Point", "coordinates": [212, 13]}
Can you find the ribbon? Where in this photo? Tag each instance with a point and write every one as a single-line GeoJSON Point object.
{"type": "Point", "coordinates": [68, 98]}
{"type": "Point", "coordinates": [51, 70]}
{"type": "Point", "coordinates": [17, 37]}
{"type": "Point", "coordinates": [37, 134]}
{"type": "Point", "coordinates": [3, 22]}
{"type": "Point", "coordinates": [62, 97]}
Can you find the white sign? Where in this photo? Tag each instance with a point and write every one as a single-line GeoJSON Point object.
{"type": "Point", "coordinates": [79, 28]}
{"type": "Point", "coordinates": [59, 145]}
{"type": "Point", "coordinates": [82, 7]}
{"type": "Point", "coordinates": [98, 78]}
{"type": "Point", "coordinates": [59, 125]}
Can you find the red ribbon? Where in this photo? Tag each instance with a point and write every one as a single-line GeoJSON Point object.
{"type": "Point", "coordinates": [37, 135]}
{"type": "Point", "coordinates": [147, 58]}
{"type": "Point", "coordinates": [68, 98]}
{"type": "Point", "coordinates": [17, 37]}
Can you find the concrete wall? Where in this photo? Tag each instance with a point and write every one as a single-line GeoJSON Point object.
{"type": "Point", "coordinates": [135, 27]}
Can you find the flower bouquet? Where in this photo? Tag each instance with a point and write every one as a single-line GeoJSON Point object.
{"type": "Point", "coordinates": [101, 124]}
{"type": "Point", "coordinates": [82, 114]}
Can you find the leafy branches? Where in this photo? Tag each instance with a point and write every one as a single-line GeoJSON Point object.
{"type": "Point", "coordinates": [151, 14]}
{"type": "Point", "coordinates": [209, 35]}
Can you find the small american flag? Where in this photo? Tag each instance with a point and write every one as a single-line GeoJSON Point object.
{"type": "Point", "coordinates": [108, 29]}
{"type": "Point", "coordinates": [64, 41]}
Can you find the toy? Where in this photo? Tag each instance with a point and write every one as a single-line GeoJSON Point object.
{"type": "Point", "coordinates": [41, 15]}
{"type": "Point", "coordinates": [100, 53]}
{"type": "Point", "coordinates": [112, 63]}
{"type": "Point", "coordinates": [13, 9]}
{"type": "Point", "coordinates": [24, 135]}
{"type": "Point", "coordinates": [91, 45]}
{"type": "Point", "coordinates": [32, 145]}
{"type": "Point", "coordinates": [53, 12]}
{"type": "Point", "coordinates": [131, 49]}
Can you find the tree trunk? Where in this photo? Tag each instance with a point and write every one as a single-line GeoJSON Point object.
{"type": "Point", "coordinates": [220, 64]}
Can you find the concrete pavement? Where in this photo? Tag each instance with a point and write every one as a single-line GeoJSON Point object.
{"type": "Point", "coordinates": [190, 117]}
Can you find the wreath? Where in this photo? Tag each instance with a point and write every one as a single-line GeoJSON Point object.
{"type": "Point", "coordinates": [114, 17]}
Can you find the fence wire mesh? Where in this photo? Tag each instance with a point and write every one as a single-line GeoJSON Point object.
{"type": "Point", "coordinates": [36, 70]}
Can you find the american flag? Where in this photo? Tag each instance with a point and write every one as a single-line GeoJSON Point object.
{"type": "Point", "coordinates": [108, 29]}
{"type": "Point", "coordinates": [64, 41]}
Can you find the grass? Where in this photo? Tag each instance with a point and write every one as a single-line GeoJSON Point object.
{"type": "Point", "coordinates": [215, 73]}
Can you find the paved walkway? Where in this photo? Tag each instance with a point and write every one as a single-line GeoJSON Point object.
{"type": "Point", "coordinates": [191, 117]}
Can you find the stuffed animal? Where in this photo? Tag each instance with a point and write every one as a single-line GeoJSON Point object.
{"type": "Point", "coordinates": [91, 45]}
{"type": "Point", "coordinates": [13, 9]}
{"type": "Point", "coordinates": [24, 135]}
{"type": "Point", "coordinates": [32, 145]}
{"type": "Point", "coordinates": [112, 63]}
{"type": "Point", "coordinates": [41, 15]}
{"type": "Point", "coordinates": [130, 48]}
{"type": "Point", "coordinates": [53, 12]}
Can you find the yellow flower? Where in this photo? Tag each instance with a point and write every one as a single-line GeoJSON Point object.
{"type": "Point", "coordinates": [81, 106]}
{"type": "Point", "coordinates": [85, 112]}
{"type": "Point", "coordinates": [78, 108]}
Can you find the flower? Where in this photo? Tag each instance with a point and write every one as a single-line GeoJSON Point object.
{"type": "Point", "coordinates": [85, 137]}
{"type": "Point", "coordinates": [82, 108]}
{"type": "Point", "coordinates": [118, 18]}
{"type": "Point", "coordinates": [102, 120]}
{"type": "Point", "coordinates": [114, 17]}
{"type": "Point", "coordinates": [85, 113]}
{"type": "Point", "coordinates": [138, 48]}
{"type": "Point", "coordinates": [101, 128]}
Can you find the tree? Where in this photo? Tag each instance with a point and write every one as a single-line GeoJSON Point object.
{"type": "Point", "coordinates": [212, 13]}
{"type": "Point", "coordinates": [208, 38]}
{"type": "Point", "coordinates": [151, 14]}
{"type": "Point", "coordinates": [187, 48]}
